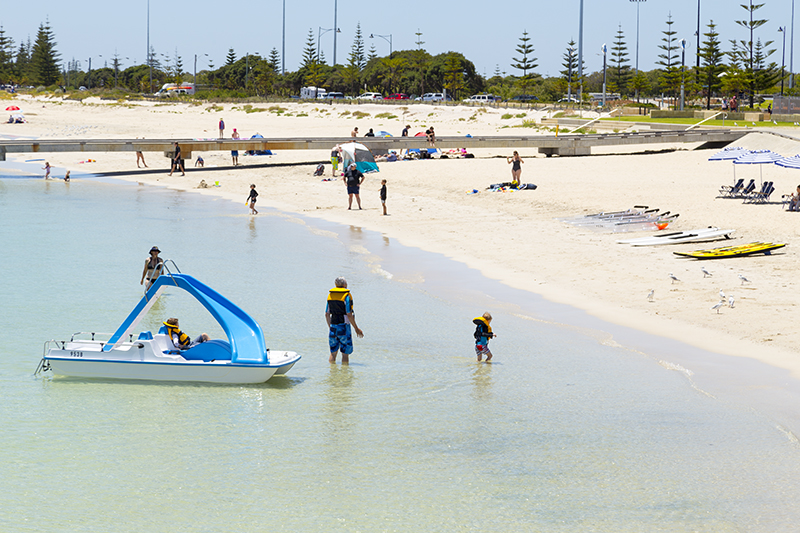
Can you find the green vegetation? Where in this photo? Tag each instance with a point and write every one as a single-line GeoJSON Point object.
{"type": "Point", "coordinates": [247, 108]}
{"type": "Point", "coordinates": [276, 109]}
{"type": "Point", "coordinates": [387, 116]}
{"type": "Point", "coordinates": [506, 116]}
{"type": "Point", "coordinates": [360, 114]}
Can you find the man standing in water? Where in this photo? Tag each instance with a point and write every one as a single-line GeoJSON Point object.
{"type": "Point", "coordinates": [339, 315]}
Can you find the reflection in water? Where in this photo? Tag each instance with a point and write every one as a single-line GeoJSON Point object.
{"type": "Point", "coordinates": [482, 382]}
{"type": "Point", "coordinates": [253, 235]}
{"type": "Point", "coordinates": [339, 400]}
{"type": "Point", "coordinates": [356, 233]}
{"type": "Point", "coordinates": [386, 240]}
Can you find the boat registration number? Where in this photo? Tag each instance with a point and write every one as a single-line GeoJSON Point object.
{"type": "Point", "coordinates": [76, 354]}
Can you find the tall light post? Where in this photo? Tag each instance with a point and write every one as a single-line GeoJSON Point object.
{"type": "Point", "coordinates": [782, 29]}
{"type": "Point", "coordinates": [387, 38]}
{"type": "Point", "coordinates": [683, 71]}
{"type": "Point", "coordinates": [335, 25]}
{"type": "Point", "coordinates": [195, 71]}
{"type": "Point", "coordinates": [604, 50]}
{"type": "Point", "coordinates": [791, 52]}
{"type": "Point", "coordinates": [149, 59]}
{"type": "Point", "coordinates": [283, 41]}
{"type": "Point", "coordinates": [637, 33]}
{"type": "Point", "coordinates": [571, 51]}
{"type": "Point", "coordinates": [322, 31]}
{"type": "Point", "coordinates": [580, 53]}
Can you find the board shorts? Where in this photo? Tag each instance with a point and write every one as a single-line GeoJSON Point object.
{"type": "Point", "coordinates": [335, 163]}
{"type": "Point", "coordinates": [340, 338]}
{"type": "Point", "coordinates": [353, 190]}
{"type": "Point", "coordinates": [482, 349]}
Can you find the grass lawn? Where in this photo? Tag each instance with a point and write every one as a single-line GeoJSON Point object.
{"type": "Point", "coordinates": [690, 121]}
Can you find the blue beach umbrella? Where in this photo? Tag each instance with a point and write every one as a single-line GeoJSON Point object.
{"type": "Point", "coordinates": [730, 152]}
{"type": "Point", "coordinates": [384, 134]}
{"type": "Point", "coordinates": [789, 162]}
{"type": "Point", "coordinates": [757, 157]}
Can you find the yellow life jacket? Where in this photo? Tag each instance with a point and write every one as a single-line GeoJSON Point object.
{"type": "Point", "coordinates": [183, 339]}
{"type": "Point", "coordinates": [337, 306]}
{"type": "Point", "coordinates": [480, 331]}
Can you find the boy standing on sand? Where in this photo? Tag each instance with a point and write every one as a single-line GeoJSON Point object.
{"type": "Point", "coordinates": [339, 315]}
{"type": "Point", "coordinates": [483, 332]}
{"type": "Point", "coordinates": [383, 195]}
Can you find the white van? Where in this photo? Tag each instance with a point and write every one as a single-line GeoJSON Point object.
{"type": "Point", "coordinates": [482, 99]}
{"type": "Point", "coordinates": [370, 96]}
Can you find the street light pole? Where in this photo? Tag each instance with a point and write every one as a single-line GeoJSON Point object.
{"type": "Point", "coordinates": [683, 70]}
{"type": "Point", "coordinates": [387, 38]}
{"type": "Point", "coordinates": [637, 33]}
{"type": "Point", "coordinates": [335, 25]}
{"type": "Point", "coordinates": [604, 49]}
{"type": "Point", "coordinates": [698, 35]}
{"type": "Point", "coordinates": [283, 41]}
{"type": "Point", "coordinates": [791, 52]}
{"type": "Point", "coordinates": [782, 29]}
{"type": "Point", "coordinates": [580, 54]}
{"type": "Point", "coordinates": [149, 60]}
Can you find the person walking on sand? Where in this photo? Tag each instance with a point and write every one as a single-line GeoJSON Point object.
{"type": "Point", "coordinates": [235, 153]}
{"type": "Point", "coordinates": [339, 315]}
{"type": "Point", "coordinates": [177, 162]}
{"type": "Point", "coordinates": [483, 332]}
{"type": "Point", "coordinates": [383, 196]}
{"type": "Point", "coordinates": [152, 268]}
{"type": "Point", "coordinates": [140, 157]}
{"type": "Point", "coordinates": [336, 154]}
{"type": "Point", "coordinates": [516, 168]}
{"type": "Point", "coordinates": [353, 178]}
{"type": "Point", "coordinates": [46, 169]}
{"type": "Point", "coordinates": [221, 128]}
{"type": "Point", "coordinates": [252, 199]}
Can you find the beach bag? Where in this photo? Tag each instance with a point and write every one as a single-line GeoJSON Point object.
{"type": "Point", "coordinates": [320, 170]}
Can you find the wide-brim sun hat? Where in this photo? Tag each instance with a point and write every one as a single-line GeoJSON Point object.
{"type": "Point", "coordinates": [155, 249]}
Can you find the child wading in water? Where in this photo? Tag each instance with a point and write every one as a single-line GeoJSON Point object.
{"type": "Point", "coordinates": [383, 195]}
{"type": "Point", "coordinates": [483, 332]}
{"type": "Point", "coordinates": [252, 199]}
{"type": "Point", "coordinates": [46, 169]}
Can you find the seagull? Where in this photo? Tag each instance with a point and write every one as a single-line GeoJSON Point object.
{"type": "Point", "coordinates": [706, 273]}
{"type": "Point", "coordinates": [744, 279]}
{"type": "Point", "coordinates": [721, 295]}
{"type": "Point", "coordinates": [718, 305]}
{"type": "Point", "coordinates": [774, 122]}
{"type": "Point", "coordinates": [730, 302]}
{"type": "Point", "coordinates": [673, 278]}
{"type": "Point", "coordinates": [650, 294]}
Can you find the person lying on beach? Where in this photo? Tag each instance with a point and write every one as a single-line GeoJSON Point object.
{"type": "Point", "coordinates": [181, 340]}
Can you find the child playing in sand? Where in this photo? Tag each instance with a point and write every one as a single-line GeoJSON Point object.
{"type": "Point", "coordinates": [252, 199]}
{"type": "Point", "coordinates": [46, 169]}
{"type": "Point", "coordinates": [483, 332]}
{"type": "Point", "coordinates": [383, 195]}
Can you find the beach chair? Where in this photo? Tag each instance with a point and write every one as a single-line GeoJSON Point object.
{"type": "Point", "coordinates": [762, 197]}
{"type": "Point", "coordinates": [726, 190]}
{"type": "Point", "coordinates": [746, 191]}
{"type": "Point", "coordinates": [753, 193]}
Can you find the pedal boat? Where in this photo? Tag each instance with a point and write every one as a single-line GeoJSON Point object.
{"type": "Point", "coordinates": [243, 358]}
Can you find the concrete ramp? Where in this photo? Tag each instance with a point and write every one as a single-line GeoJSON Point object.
{"type": "Point", "coordinates": [781, 143]}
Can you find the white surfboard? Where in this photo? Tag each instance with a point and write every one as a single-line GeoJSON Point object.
{"type": "Point", "coordinates": [697, 235]}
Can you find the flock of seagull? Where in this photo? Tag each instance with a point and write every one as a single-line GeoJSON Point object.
{"type": "Point", "coordinates": [723, 300]}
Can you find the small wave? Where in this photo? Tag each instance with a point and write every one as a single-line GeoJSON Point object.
{"type": "Point", "coordinates": [677, 367]}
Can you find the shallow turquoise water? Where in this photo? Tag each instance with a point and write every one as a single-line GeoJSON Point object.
{"type": "Point", "coordinates": [563, 433]}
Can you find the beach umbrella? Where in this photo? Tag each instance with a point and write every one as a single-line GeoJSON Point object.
{"type": "Point", "coordinates": [384, 134]}
{"type": "Point", "coordinates": [730, 152]}
{"type": "Point", "coordinates": [789, 162]}
{"type": "Point", "coordinates": [12, 108]}
{"type": "Point", "coordinates": [757, 157]}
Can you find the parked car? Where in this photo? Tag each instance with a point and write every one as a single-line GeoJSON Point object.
{"type": "Point", "coordinates": [525, 98]}
{"type": "Point", "coordinates": [483, 98]}
{"type": "Point", "coordinates": [432, 97]}
{"type": "Point", "coordinates": [397, 96]}
{"type": "Point", "coordinates": [335, 96]}
{"type": "Point", "coordinates": [370, 96]}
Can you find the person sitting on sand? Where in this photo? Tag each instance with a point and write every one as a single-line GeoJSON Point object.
{"type": "Point", "coordinates": [431, 135]}
{"type": "Point", "coordinates": [354, 133]}
{"type": "Point", "coordinates": [200, 162]}
{"type": "Point", "coordinates": [181, 340]}
{"type": "Point", "coordinates": [370, 133]}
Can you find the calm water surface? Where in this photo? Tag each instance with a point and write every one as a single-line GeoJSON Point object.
{"type": "Point", "coordinates": [563, 433]}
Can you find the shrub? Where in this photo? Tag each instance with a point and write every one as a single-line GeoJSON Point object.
{"type": "Point", "coordinates": [388, 116]}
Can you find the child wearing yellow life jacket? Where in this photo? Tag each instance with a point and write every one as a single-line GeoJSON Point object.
{"type": "Point", "coordinates": [483, 332]}
{"type": "Point", "coordinates": [181, 340]}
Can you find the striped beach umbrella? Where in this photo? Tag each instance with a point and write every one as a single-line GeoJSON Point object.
{"type": "Point", "coordinates": [789, 162]}
{"type": "Point", "coordinates": [730, 152]}
{"type": "Point", "coordinates": [757, 157]}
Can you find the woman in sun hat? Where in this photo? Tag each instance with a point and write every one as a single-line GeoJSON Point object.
{"type": "Point", "coordinates": [152, 267]}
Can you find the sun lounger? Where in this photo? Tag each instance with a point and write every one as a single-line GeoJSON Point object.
{"type": "Point", "coordinates": [726, 190]}
{"type": "Point", "coordinates": [761, 197]}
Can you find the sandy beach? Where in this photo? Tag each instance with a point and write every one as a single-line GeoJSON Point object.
{"type": "Point", "coordinates": [514, 237]}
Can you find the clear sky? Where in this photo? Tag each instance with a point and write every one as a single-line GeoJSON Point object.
{"type": "Point", "coordinates": [485, 32]}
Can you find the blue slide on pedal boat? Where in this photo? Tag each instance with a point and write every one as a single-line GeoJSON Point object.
{"type": "Point", "coordinates": [242, 358]}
